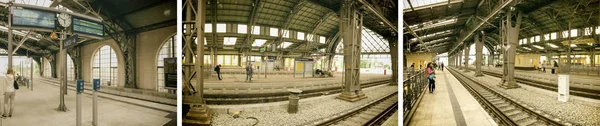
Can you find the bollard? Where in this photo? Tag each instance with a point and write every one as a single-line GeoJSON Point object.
{"type": "Point", "coordinates": [294, 98]}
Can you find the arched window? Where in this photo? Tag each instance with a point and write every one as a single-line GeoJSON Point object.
{"type": "Point", "coordinates": [105, 66]}
{"type": "Point", "coordinates": [167, 50]}
{"type": "Point", "coordinates": [47, 68]}
{"type": "Point", "coordinates": [70, 68]}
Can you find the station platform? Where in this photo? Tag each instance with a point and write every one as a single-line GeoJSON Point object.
{"type": "Point", "coordinates": [450, 104]}
{"type": "Point", "coordinates": [235, 83]}
{"type": "Point", "coordinates": [38, 107]}
{"type": "Point", "coordinates": [576, 80]}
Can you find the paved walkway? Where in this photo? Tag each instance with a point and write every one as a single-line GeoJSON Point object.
{"type": "Point", "coordinates": [37, 107]}
{"type": "Point", "coordinates": [450, 104]}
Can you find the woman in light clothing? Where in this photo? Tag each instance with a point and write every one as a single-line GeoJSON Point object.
{"type": "Point", "coordinates": [9, 93]}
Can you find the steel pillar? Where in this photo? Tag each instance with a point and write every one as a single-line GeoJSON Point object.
{"type": "Point", "coordinates": [10, 44]}
{"type": "Point", "coordinates": [459, 65]}
{"type": "Point", "coordinates": [567, 68]}
{"type": "Point", "coordinates": [512, 37]}
{"type": "Point", "coordinates": [199, 113]}
{"type": "Point", "coordinates": [63, 79]}
{"type": "Point", "coordinates": [467, 49]}
{"type": "Point", "coordinates": [394, 54]}
{"type": "Point", "coordinates": [478, 55]}
{"type": "Point", "coordinates": [350, 30]}
{"type": "Point", "coordinates": [593, 56]}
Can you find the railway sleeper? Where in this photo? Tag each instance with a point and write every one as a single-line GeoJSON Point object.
{"type": "Point", "coordinates": [528, 122]}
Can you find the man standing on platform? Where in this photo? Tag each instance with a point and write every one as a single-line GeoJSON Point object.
{"type": "Point", "coordinates": [249, 72]}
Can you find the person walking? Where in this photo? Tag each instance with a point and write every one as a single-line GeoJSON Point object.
{"type": "Point", "coordinates": [442, 67]}
{"type": "Point", "coordinates": [430, 74]}
{"type": "Point", "coordinates": [249, 73]}
{"type": "Point", "coordinates": [9, 93]}
{"type": "Point", "coordinates": [555, 68]}
{"type": "Point", "coordinates": [218, 69]}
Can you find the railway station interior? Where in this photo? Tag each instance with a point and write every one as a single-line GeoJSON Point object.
{"type": "Point", "coordinates": [53, 44]}
{"type": "Point", "coordinates": [506, 62]}
{"type": "Point", "coordinates": [312, 62]}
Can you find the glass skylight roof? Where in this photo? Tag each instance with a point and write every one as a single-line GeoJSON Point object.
{"type": "Point", "coordinates": [259, 42]}
{"type": "Point", "coordinates": [286, 44]}
{"type": "Point", "coordinates": [418, 3]}
{"type": "Point", "coordinates": [229, 41]}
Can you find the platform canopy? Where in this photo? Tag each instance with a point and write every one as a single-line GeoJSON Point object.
{"type": "Point", "coordinates": [442, 24]}
{"type": "Point", "coordinates": [125, 14]}
{"type": "Point", "coordinates": [309, 25]}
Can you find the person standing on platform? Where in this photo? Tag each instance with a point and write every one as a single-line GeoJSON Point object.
{"type": "Point", "coordinates": [555, 68]}
{"type": "Point", "coordinates": [249, 73]}
{"type": "Point", "coordinates": [9, 93]}
{"type": "Point", "coordinates": [218, 69]}
{"type": "Point", "coordinates": [544, 66]}
{"type": "Point", "coordinates": [442, 67]}
{"type": "Point", "coordinates": [430, 74]}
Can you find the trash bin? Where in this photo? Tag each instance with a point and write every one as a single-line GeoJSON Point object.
{"type": "Point", "coordinates": [294, 98]}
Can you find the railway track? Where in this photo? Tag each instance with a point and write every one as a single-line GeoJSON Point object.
{"type": "Point", "coordinates": [505, 110]}
{"type": "Point", "coordinates": [229, 99]}
{"type": "Point", "coordinates": [583, 92]}
{"type": "Point", "coordinates": [372, 114]}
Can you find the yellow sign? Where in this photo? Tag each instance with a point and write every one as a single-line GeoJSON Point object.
{"type": "Point", "coordinates": [299, 66]}
{"type": "Point", "coordinates": [579, 41]}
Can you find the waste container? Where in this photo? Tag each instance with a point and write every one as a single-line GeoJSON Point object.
{"type": "Point", "coordinates": [294, 98]}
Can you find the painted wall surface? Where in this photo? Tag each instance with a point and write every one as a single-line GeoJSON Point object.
{"type": "Point", "coordinates": [527, 60]}
{"type": "Point", "coordinates": [420, 59]}
{"type": "Point", "coordinates": [87, 55]}
{"type": "Point", "coordinates": [148, 47]}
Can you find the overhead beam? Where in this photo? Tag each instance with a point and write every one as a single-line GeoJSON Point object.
{"type": "Point", "coordinates": [381, 17]}
{"type": "Point", "coordinates": [22, 41]}
{"type": "Point", "coordinates": [416, 36]}
{"type": "Point", "coordinates": [487, 18]}
{"type": "Point", "coordinates": [288, 20]}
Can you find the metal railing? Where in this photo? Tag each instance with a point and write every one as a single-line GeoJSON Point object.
{"type": "Point", "coordinates": [414, 85]}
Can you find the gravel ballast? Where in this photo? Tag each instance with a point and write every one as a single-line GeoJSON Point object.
{"type": "Point", "coordinates": [572, 112]}
{"type": "Point", "coordinates": [307, 112]}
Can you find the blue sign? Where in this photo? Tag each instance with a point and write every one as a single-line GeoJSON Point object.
{"type": "Point", "coordinates": [88, 27]}
{"type": "Point", "coordinates": [28, 17]}
{"type": "Point", "coordinates": [79, 86]}
{"type": "Point", "coordinates": [96, 84]}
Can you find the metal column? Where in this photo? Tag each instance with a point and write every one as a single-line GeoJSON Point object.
{"type": "Point", "coordinates": [459, 65]}
{"type": "Point", "coordinates": [478, 55]}
{"type": "Point", "coordinates": [199, 113]}
{"type": "Point", "coordinates": [63, 81]}
{"type": "Point", "coordinates": [350, 30]}
{"type": "Point", "coordinates": [467, 49]}
{"type": "Point", "coordinates": [394, 54]}
{"type": "Point", "coordinates": [593, 56]}
{"type": "Point", "coordinates": [512, 36]}
{"type": "Point", "coordinates": [567, 68]}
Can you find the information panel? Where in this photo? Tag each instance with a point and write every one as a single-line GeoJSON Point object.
{"type": "Point", "coordinates": [170, 73]}
{"type": "Point", "coordinates": [26, 17]}
{"type": "Point", "coordinates": [88, 27]}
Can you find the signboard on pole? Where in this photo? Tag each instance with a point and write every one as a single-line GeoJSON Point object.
{"type": "Point", "coordinates": [70, 42]}
{"type": "Point", "coordinates": [96, 84]}
{"type": "Point", "coordinates": [88, 27]}
{"type": "Point", "coordinates": [79, 86]}
{"type": "Point", "coordinates": [23, 18]}
{"type": "Point", "coordinates": [170, 73]}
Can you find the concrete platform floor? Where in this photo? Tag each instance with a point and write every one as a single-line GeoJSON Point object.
{"type": "Point", "coordinates": [450, 104]}
{"type": "Point", "coordinates": [238, 79]}
{"type": "Point", "coordinates": [38, 107]}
